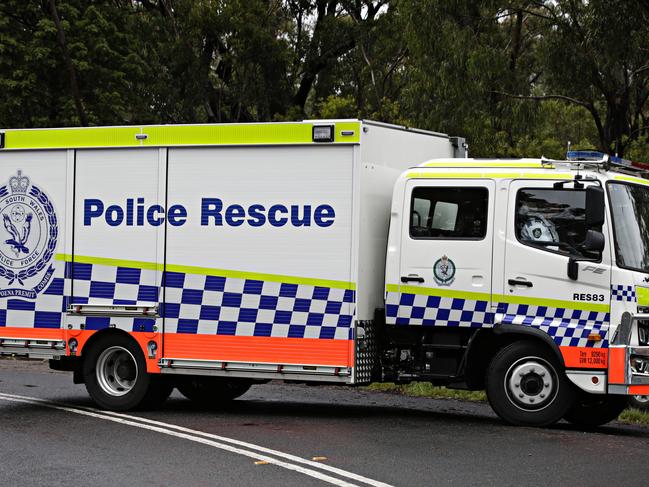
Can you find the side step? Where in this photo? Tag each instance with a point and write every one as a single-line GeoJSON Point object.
{"type": "Point", "coordinates": [33, 348]}
{"type": "Point", "coordinates": [256, 370]}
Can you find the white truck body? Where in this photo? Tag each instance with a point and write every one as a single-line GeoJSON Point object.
{"type": "Point", "coordinates": [230, 249]}
{"type": "Point", "coordinates": [323, 251]}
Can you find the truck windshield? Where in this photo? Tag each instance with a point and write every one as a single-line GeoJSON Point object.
{"type": "Point", "coordinates": [630, 209]}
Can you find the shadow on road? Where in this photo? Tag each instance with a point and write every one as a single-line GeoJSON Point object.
{"type": "Point", "coordinates": [253, 411]}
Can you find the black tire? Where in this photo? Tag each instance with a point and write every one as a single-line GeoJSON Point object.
{"type": "Point", "coordinates": [114, 371]}
{"type": "Point", "coordinates": [159, 391]}
{"type": "Point", "coordinates": [595, 409]}
{"type": "Point", "coordinates": [639, 402]}
{"type": "Point", "coordinates": [527, 386]}
{"type": "Point", "coordinates": [212, 391]}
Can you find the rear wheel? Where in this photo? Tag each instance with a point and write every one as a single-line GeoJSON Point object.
{"type": "Point", "coordinates": [212, 391]}
{"type": "Point", "coordinates": [159, 391]}
{"type": "Point", "coordinates": [527, 386]}
{"type": "Point", "coordinates": [595, 409]}
{"type": "Point", "coordinates": [114, 371]}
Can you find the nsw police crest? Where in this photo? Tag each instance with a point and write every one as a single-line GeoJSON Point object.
{"type": "Point", "coordinates": [27, 238]}
{"type": "Point", "coordinates": [444, 271]}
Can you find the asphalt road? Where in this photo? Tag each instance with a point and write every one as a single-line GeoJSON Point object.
{"type": "Point", "coordinates": [357, 437]}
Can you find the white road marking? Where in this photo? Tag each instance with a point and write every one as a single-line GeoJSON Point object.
{"type": "Point", "coordinates": [252, 450]}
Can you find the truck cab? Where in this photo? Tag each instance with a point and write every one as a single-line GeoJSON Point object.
{"type": "Point", "coordinates": [527, 278]}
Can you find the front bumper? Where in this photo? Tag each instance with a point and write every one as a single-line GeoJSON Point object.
{"type": "Point", "coordinates": [628, 365]}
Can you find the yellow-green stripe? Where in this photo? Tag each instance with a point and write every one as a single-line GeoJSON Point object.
{"type": "Point", "coordinates": [551, 303]}
{"type": "Point", "coordinates": [631, 179]}
{"type": "Point", "coordinates": [442, 293]}
{"type": "Point", "coordinates": [207, 271]}
{"type": "Point", "coordinates": [642, 295]}
{"type": "Point", "coordinates": [485, 175]}
{"type": "Point", "coordinates": [495, 164]}
{"type": "Point", "coordinates": [176, 135]}
{"type": "Point", "coordinates": [499, 298]}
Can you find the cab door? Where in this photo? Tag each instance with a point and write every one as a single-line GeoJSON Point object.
{"type": "Point", "coordinates": [545, 227]}
{"type": "Point", "coordinates": [446, 254]}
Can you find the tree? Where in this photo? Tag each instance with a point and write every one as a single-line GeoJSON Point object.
{"type": "Point", "coordinates": [594, 55]}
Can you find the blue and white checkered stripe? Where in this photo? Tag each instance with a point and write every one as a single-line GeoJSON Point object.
{"type": "Point", "coordinates": [567, 327]}
{"type": "Point", "coordinates": [422, 310]}
{"type": "Point", "coordinates": [623, 293]}
{"type": "Point", "coordinates": [201, 304]}
{"type": "Point", "coordinates": [44, 312]}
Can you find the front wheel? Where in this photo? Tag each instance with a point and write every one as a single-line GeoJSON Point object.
{"type": "Point", "coordinates": [114, 371]}
{"type": "Point", "coordinates": [639, 402]}
{"type": "Point", "coordinates": [527, 386]}
{"type": "Point", "coordinates": [595, 409]}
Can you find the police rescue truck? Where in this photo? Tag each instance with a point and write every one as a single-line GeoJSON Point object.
{"type": "Point", "coordinates": [212, 257]}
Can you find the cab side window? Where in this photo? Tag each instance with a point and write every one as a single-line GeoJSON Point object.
{"type": "Point", "coordinates": [552, 219]}
{"type": "Point", "coordinates": [449, 213]}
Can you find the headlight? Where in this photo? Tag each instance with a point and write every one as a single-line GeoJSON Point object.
{"type": "Point", "coordinates": [640, 365]}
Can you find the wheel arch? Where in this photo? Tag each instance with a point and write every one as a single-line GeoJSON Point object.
{"type": "Point", "coordinates": [140, 340]}
{"type": "Point", "coordinates": [100, 334]}
{"type": "Point", "coordinates": [487, 342]}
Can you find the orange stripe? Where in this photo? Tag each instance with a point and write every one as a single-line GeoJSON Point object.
{"type": "Point", "coordinates": [639, 389]}
{"type": "Point", "coordinates": [294, 351]}
{"type": "Point", "coordinates": [32, 333]}
{"type": "Point", "coordinates": [226, 348]}
{"type": "Point", "coordinates": [142, 338]}
{"type": "Point", "coordinates": [617, 366]}
{"type": "Point", "coordinates": [584, 357]}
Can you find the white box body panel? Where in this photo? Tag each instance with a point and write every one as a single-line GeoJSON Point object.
{"type": "Point", "coordinates": [385, 152]}
{"type": "Point", "coordinates": [220, 254]}
{"type": "Point", "coordinates": [33, 188]}
{"type": "Point", "coordinates": [300, 179]}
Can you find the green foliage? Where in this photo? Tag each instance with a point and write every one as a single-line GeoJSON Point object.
{"type": "Point", "coordinates": [337, 107]}
{"type": "Point", "coordinates": [426, 389]}
{"type": "Point", "coordinates": [638, 150]}
{"type": "Point", "coordinates": [635, 416]}
{"type": "Point", "coordinates": [516, 78]}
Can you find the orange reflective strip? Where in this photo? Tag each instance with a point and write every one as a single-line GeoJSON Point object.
{"type": "Point", "coordinates": [585, 357]}
{"type": "Point", "coordinates": [276, 350]}
{"type": "Point", "coordinates": [142, 338]}
{"type": "Point", "coordinates": [617, 366]}
{"type": "Point", "coordinates": [639, 390]}
{"type": "Point", "coordinates": [32, 333]}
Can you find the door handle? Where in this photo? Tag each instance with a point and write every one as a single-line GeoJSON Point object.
{"type": "Point", "coordinates": [517, 282]}
{"type": "Point", "coordinates": [412, 279]}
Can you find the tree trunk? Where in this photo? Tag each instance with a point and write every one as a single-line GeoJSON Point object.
{"type": "Point", "coordinates": [72, 75]}
{"type": "Point", "coordinates": [616, 125]}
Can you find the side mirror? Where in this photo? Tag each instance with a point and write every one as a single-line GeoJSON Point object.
{"type": "Point", "coordinates": [594, 207]}
{"type": "Point", "coordinates": [594, 242]}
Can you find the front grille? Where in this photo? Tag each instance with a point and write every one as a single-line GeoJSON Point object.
{"type": "Point", "coordinates": [643, 327]}
{"type": "Point", "coordinates": [643, 332]}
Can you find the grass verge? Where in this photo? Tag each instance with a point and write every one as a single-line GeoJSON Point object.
{"type": "Point", "coordinates": [634, 416]}
{"type": "Point", "coordinates": [424, 389]}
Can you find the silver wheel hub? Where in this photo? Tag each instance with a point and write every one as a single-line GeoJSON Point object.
{"type": "Point", "coordinates": [116, 371]}
{"type": "Point", "coordinates": [531, 383]}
